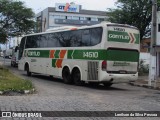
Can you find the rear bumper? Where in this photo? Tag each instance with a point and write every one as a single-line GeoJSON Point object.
{"type": "Point", "coordinates": [117, 78]}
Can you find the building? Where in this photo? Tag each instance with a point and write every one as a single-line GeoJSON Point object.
{"type": "Point", "coordinates": [65, 14]}
{"type": "Point", "coordinates": [145, 45]}
{"type": "Point", "coordinates": [157, 46]}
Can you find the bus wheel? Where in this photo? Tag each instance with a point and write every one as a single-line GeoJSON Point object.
{"type": "Point", "coordinates": [76, 76]}
{"type": "Point", "coordinates": [108, 84]}
{"type": "Point", "coordinates": [66, 76]}
{"type": "Point", "coordinates": [28, 72]}
{"type": "Point", "coordinates": [95, 84]}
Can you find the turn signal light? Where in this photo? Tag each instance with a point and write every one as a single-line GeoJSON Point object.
{"type": "Point", "coordinates": [104, 65]}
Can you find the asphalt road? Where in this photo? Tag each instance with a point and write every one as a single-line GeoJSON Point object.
{"type": "Point", "coordinates": [53, 95]}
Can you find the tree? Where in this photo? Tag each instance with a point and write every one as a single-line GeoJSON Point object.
{"type": "Point", "coordinates": [15, 19]}
{"type": "Point", "coordinates": [133, 12]}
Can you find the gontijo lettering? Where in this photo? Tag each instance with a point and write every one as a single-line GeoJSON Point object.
{"type": "Point", "coordinates": [33, 53]}
{"type": "Point", "coordinates": [118, 36]}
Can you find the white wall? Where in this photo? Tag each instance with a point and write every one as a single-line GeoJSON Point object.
{"type": "Point", "coordinates": [145, 57]}
{"type": "Point", "coordinates": [158, 22]}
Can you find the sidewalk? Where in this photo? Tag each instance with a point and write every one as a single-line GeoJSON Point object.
{"type": "Point", "coordinates": [143, 82]}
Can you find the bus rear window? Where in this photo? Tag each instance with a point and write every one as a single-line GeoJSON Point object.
{"type": "Point", "coordinates": [116, 54]}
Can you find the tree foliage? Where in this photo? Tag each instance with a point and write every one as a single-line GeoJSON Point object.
{"type": "Point", "coordinates": [133, 12]}
{"type": "Point", "coordinates": [15, 19]}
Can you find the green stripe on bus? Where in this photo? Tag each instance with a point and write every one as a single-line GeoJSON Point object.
{"type": "Point", "coordinates": [38, 53]}
{"type": "Point", "coordinates": [110, 55]}
{"type": "Point", "coordinates": [137, 36]}
{"type": "Point", "coordinates": [54, 62]}
{"type": "Point", "coordinates": [87, 54]}
{"type": "Point", "coordinates": [69, 55]}
{"type": "Point", "coordinates": [56, 54]}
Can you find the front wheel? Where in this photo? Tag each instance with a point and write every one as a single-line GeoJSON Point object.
{"type": "Point", "coordinates": [28, 72]}
{"type": "Point", "coordinates": [76, 76]}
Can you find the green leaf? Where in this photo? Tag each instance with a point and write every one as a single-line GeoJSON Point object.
{"type": "Point", "coordinates": [15, 19]}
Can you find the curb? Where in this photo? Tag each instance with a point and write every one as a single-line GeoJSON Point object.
{"type": "Point", "coordinates": [21, 92]}
{"type": "Point", "coordinates": [144, 85]}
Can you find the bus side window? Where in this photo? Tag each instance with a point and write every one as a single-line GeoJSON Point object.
{"type": "Point", "coordinates": [31, 42]}
{"type": "Point", "coordinates": [86, 38]}
{"type": "Point", "coordinates": [96, 36]}
{"type": "Point", "coordinates": [76, 38]}
{"type": "Point", "coordinates": [63, 38]}
{"type": "Point", "coordinates": [21, 47]}
{"type": "Point", "coordinates": [43, 40]}
{"type": "Point", "coordinates": [53, 40]}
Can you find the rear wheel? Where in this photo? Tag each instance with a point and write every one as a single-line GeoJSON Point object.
{"type": "Point", "coordinates": [93, 83]}
{"type": "Point", "coordinates": [107, 84]}
{"type": "Point", "coordinates": [66, 76]}
{"type": "Point", "coordinates": [76, 76]}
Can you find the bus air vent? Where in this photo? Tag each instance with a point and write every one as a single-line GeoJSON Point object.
{"type": "Point", "coordinates": [92, 70]}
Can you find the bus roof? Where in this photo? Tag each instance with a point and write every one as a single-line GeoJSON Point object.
{"type": "Point", "coordinates": [68, 28]}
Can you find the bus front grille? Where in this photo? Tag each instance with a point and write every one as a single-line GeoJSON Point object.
{"type": "Point", "coordinates": [92, 70]}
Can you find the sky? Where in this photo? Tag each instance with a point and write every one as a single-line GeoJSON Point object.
{"type": "Point", "coordinates": [39, 5]}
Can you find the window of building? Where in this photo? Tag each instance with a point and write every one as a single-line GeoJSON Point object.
{"type": "Point", "coordinates": [88, 18]}
{"type": "Point", "coordinates": [94, 19]}
{"type": "Point", "coordinates": [100, 19]}
{"type": "Point", "coordinates": [62, 17]}
{"type": "Point", "coordinates": [82, 18]}
{"type": "Point", "coordinates": [69, 17]}
{"type": "Point", "coordinates": [75, 18]}
{"type": "Point", "coordinates": [56, 16]}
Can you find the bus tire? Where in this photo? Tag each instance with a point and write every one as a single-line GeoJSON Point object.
{"type": "Point", "coordinates": [66, 76]}
{"type": "Point", "coordinates": [76, 76]}
{"type": "Point", "coordinates": [107, 84]}
{"type": "Point", "coordinates": [27, 69]}
{"type": "Point", "coordinates": [11, 64]}
{"type": "Point", "coordinates": [94, 84]}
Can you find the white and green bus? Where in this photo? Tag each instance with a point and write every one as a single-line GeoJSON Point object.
{"type": "Point", "coordinates": [104, 53]}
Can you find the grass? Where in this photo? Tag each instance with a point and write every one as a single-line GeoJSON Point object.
{"type": "Point", "coordinates": [10, 82]}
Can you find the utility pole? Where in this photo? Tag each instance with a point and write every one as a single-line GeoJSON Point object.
{"type": "Point", "coordinates": [152, 68]}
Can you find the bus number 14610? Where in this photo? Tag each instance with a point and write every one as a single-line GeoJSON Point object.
{"type": "Point", "coordinates": [90, 54]}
